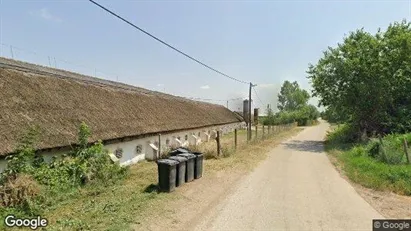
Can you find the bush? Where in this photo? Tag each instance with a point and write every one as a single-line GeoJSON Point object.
{"type": "Point", "coordinates": [303, 116]}
{"type": "Point", "coordinates": [391, 151]}
{"type": "Point", "coordinates": [372, 173]}
{"type": "Point", "coordinates": [84, 164]}
{"type": "Point", "coordinates": [343, 134]}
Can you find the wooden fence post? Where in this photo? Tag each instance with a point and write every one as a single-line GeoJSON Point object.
{"type": "Point", "coordinates": [235, 138]}
{"type": "Point", "coordinates": [218, 143]}
{"type": "Point", "coordinates": [406, 151]}
{"type": "Point", "coordinates": [256, 132]}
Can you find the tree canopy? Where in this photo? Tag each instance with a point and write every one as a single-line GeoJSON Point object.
{"type": "Point", "coordinates": [366, 80]}
{"type": "Point", "coordinates": [291, 97]}
{"type": "Point", "coordinates": [293, 106]}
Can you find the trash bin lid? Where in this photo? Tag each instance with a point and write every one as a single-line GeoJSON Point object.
{"type": "Point", "coordinates": [178, 158]}
{"type": "Point", "coordinates": [197, 153]}
{"type": "Point", "coordinates": [179, 151]}
{"type": "Point", "coordinates": [187, 155]}
{"type": "Point", "coordinates": [167, 162]}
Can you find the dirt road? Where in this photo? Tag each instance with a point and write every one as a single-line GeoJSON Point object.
{"type": "Point", "coordinates": [295, 188]}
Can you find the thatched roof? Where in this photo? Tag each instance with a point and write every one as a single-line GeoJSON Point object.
{"type": "Point", "coordinates": [58, 101]}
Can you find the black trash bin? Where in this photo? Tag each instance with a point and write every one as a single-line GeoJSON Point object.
{"type": "Point", "coordinates": [189, 166]}
{"type": "Point", "coordinates": [198, 164]}
{"type": "Point", "coordinates": [167, 175]}
{"type": "Point", "coordinates": [181, 169]}
{"type": "Point", "coordinates": [179, 150]}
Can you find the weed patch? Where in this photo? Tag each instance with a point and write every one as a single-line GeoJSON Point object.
{"type": "Point", "coordinates": [367, 164]}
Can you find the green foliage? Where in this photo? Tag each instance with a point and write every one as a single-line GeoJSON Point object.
{"type": "Point", "coordinates": [343, 134]}
{"type": "Point", "coordinates": [291, 97]}
{"type": "Point", "coordinates": [372, 173]}
{"type": "Point", "coordinates": [303, 116]}
{"type": "Point", "coordinates": [24, 158]}
{"type": "Point", "coordinates": [83, 135]}
{"type": "Point", "coordinates": [84, 164]}
{"type": "Point", "coordinates": [365, 164]}
{"type": "Point", "coordinates": [389, 151]}
{"type": "Point", "coordinates": [365, 81]}
{"type": "Point", "coordinates": [333, 116]}
{"type": "Point", "coordinates": [292, 103]}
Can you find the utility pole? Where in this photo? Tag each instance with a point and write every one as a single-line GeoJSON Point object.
{"type": "Point", "coordinates": [227, 103]}
{"type": "Point", "coordinates": [249, 113]}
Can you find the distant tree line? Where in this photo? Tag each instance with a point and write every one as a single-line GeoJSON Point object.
{"type": "Point", "coordinates": [293, 107]}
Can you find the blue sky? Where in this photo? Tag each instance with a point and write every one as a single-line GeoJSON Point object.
{"type": "Point", "coordinates": [265, 42]}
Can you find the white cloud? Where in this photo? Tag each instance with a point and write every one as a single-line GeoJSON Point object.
{"type": "Point", "coordinates": [45, 14]}
{"type": "Point", "coordinates": [205, 87]}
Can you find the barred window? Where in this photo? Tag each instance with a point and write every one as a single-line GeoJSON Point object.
{"type": "Point", "coordinates": [139, 149]}
{"type": "Point", "coordinates": [119, 153]}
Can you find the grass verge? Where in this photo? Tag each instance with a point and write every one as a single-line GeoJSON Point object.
{"type": "Point", "coordinates": [362, 167]}
{"type": "Point", "coordinates": [131, 200]}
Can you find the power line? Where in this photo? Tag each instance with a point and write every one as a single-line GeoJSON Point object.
{"type": "Point", "coordinates": [255, 92]}
{"type": "Point", "coordinates": [54, 59]}
{"type": "Point", "coordinates": [166, 44]}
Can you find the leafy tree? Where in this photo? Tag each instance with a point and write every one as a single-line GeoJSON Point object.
{"type": "Point", "coordinates": [366, 80]}
{"type": "Point", "coordinates": [291, 97]}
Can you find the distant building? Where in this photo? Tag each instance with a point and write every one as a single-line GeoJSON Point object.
{"type": "Point", "coordinates": [127, 119]}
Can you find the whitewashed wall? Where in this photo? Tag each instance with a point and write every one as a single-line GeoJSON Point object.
{"type": "Point", "coordinates": [149, 151]}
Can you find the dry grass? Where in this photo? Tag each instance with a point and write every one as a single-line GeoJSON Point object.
{"type": "Point", "coordinates": [18, 191]}
{"type": "Point", "coordinates": [135, 199]}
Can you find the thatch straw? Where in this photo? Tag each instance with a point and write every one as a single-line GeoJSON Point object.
{"type": "Point", "coordinates": [58, 105]}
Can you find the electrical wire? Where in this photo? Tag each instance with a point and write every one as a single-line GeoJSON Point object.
{"type": "Point", "coordinates": [255, 92]}
{"type": "Point", "coordinates": [166, 44]}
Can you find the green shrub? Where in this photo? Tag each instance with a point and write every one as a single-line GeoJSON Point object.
{"type": "Point", "coordinates": [342, 134]}
{"type": "Point", "coordinates": [84, 164]}
{"type": "Point", "coordinates": [368, 164]}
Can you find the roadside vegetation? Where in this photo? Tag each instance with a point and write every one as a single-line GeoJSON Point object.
{"type": "Point", "coordinates": [364, 84]}
{"type": "Point", "coordinates": [84, 190]}
{"type": "Point", "coordinates": [373, 164]}
{"type": "Point", "coordinates": [30, 186]}
{"type": "Point", "coordinates": [293, 107]}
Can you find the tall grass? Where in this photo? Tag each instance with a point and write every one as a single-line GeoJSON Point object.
{"type": "Point", "coordinates": [372, 164]}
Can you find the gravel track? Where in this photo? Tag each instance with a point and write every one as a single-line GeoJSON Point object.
{"type": "Point", "coordinates": [295, 188]}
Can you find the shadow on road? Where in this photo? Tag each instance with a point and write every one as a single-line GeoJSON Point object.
{"type": "Point", "coordinates": [305, 146]}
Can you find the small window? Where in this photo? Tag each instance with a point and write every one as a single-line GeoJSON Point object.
{"type": "Point", "coordinates": [167, 141]}
{"type": "Point", "coordinates": [119, 153]}
{"type": "Point", "coordinates": [156, 143]}
{"type": "Point", "coordinates": [186, 137]}
{"type": "Point", "coordinates": [178, 138]}
{"type": "Point", "coordinates": [139, 149]}
{"type": "Point", "coordinates": [199, 134]}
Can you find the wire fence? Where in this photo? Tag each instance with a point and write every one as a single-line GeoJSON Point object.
{"type": "Point", "coordinates": [223, 146]}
